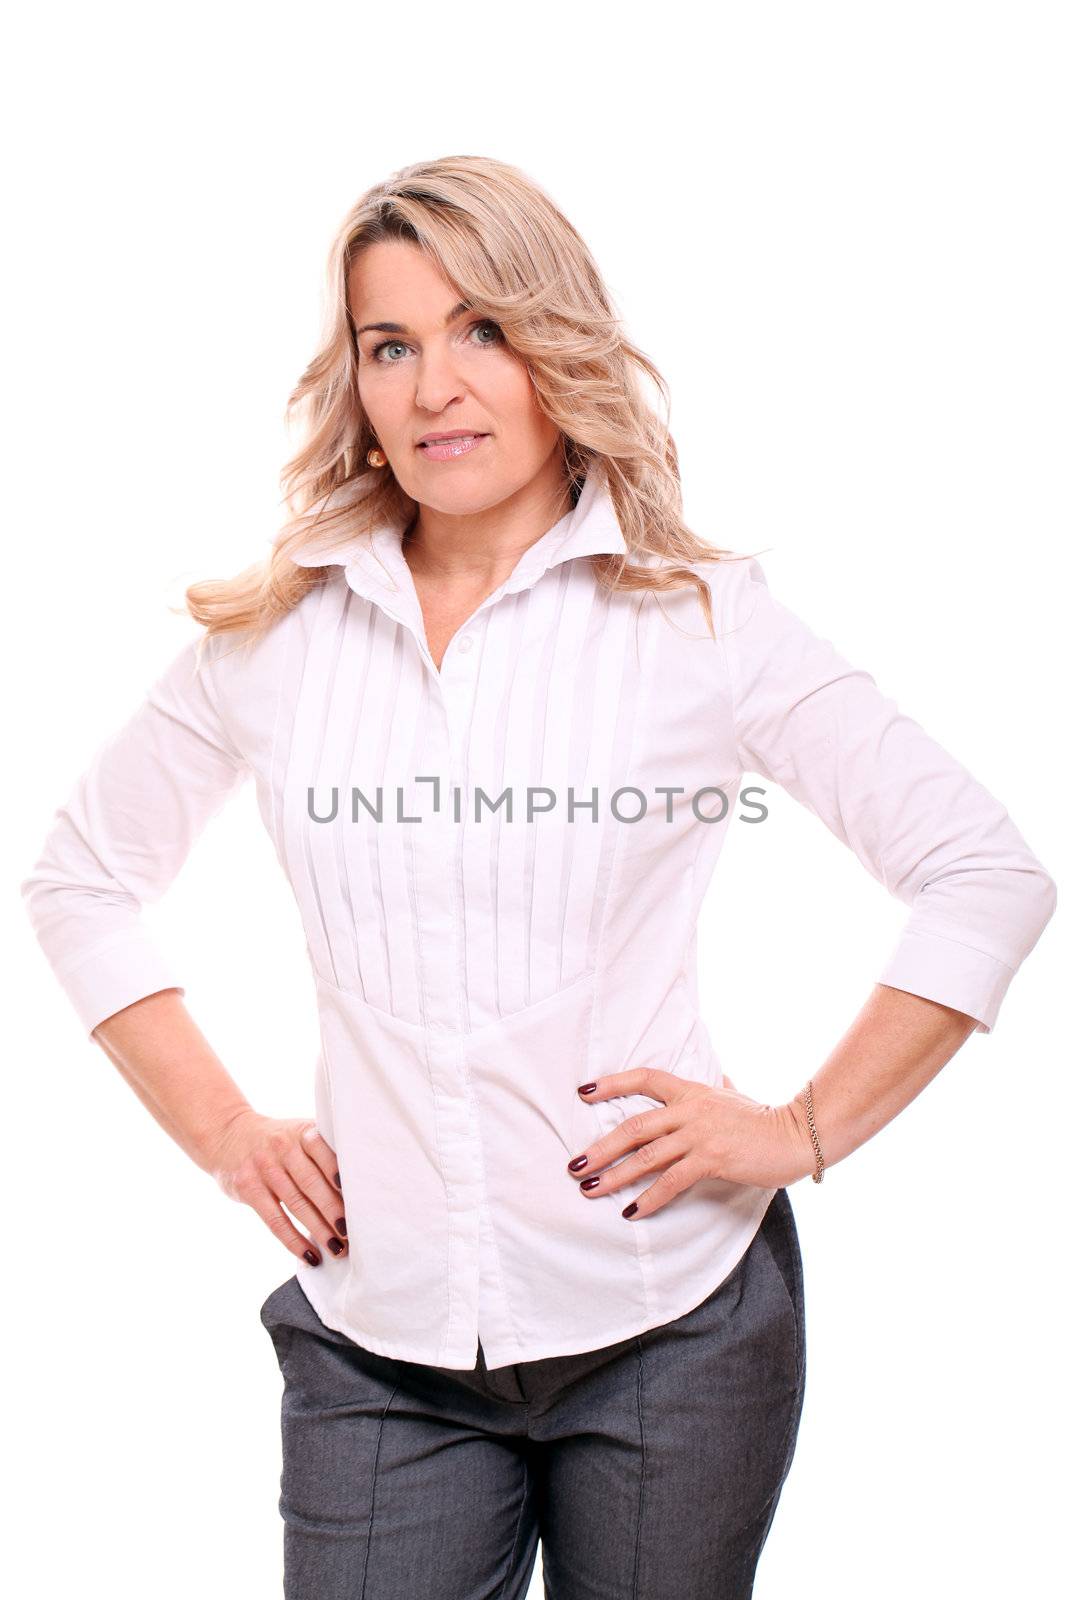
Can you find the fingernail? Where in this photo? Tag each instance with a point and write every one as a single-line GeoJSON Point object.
{"type": "Point", "coordinates": [341, 1226]}
{"type": "Point", "coordinates": [311, 1258]}
{"type": "Point", "coordinates": [589, 1183]}
{"type": "Point", "coordinates": [337, 1179]}
{"type": "Point", "coordinates": [335, 1245]}
{"type": "Point", "coordinates": [630, 1209]}
{"type": "Point", "coordinates": [587, 1088]}
{"type": "Point", "coordinates": [578, 1163]}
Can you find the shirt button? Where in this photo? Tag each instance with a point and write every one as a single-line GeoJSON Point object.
{"type": "Point", "coordinates": [464, 643]}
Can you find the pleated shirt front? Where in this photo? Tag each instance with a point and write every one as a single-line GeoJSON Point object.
{"type": "Point", "coordinates": [499, 867]}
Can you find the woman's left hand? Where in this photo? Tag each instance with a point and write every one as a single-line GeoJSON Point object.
{"type": "Point", "coordinates": [699, 1132]}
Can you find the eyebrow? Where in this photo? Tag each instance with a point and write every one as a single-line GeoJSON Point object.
{"type": "Point", "coordinates": [398, 327]}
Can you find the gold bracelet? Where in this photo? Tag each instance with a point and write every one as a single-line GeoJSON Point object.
{"type": "Point", "coordinates": [816, 1176]}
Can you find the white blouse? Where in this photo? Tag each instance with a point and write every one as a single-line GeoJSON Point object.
{"type": "Point", "coordinates": [474, 966]}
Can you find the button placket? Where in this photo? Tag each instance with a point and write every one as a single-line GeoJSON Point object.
{"type": "Point", "coordinates": [458, 678]}
{"type": "Point", "coordinates": [457, 1130]}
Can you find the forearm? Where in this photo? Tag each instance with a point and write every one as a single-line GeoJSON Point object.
{"type": "Point", "coordinates": [897, 1044]}
{"type": "Point", "coordinates": [173, 1070]}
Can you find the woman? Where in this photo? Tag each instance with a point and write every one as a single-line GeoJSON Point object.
{"type": "Point", "coordinates": [549, 1287]}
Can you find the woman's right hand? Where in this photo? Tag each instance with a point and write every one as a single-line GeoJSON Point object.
{"type": "Point", "coordinates": [268, 1162]}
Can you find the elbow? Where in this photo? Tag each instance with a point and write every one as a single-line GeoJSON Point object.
{"type": "Point", "coordinates": [30, 891]}
{"type": "Point", "coordinates": [1036, 907]}
{"type": "Point", "coordinates": [1046, 899]}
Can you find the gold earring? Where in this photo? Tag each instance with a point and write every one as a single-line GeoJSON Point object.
{"type": "Point", "coordinates": [376, 458]}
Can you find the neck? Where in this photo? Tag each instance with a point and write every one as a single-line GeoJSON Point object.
{"type": "Point", "coordinates": [482, 548]}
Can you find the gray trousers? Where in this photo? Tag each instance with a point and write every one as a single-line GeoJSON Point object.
{"type": "Point", "coordinates": [648, 1470]}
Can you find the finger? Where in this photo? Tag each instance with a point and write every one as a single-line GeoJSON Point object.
{"type": "Point", "coordinates": [653, 1081]}
{"type": "Point", "coordinates": [320, 1153]}
{"type": "Point", "coordinates": [634, 1131]}
{"type": "Point", "coordinates": [289, 1190]}
{"type": "Point", "coordinates": [319, 1193]}
{"type": "Point", "coordinates": [265, 1204]}
{"type": "Point", "coordinates": [650, 1157]}
{"type": "Point", "coordinates": [670, 1183]}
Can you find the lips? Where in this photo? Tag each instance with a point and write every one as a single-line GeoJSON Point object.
{"type": "Point", "coordinates": [452, 449]}
{"type": "Point", "coordinates": [449, 438]}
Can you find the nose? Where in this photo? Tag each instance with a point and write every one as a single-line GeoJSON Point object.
{"type": "Point", "coordinates": [438, 382]}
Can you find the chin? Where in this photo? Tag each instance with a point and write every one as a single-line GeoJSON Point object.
{"type": "Point", "coordinates": [464, 499]}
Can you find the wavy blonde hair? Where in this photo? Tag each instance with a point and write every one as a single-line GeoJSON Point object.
{"type": "Point", "coordinates": [517, 260]}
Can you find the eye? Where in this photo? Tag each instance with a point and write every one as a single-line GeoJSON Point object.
{"type": "Point", "coordinates": [387, 344]}
{"type": "Point", "coordinates": [398, 344]}
{"type": "Point", "coordinates": [485, 323]}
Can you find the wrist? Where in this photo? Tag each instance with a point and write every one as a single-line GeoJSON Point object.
{"type": "Point", "coordinates": [800, 1151]}
{"type": "Point", "coordinates": [213, 1148]}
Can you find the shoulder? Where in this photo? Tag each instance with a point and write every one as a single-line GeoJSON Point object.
{"type": "Point", "coordinates": [242, 673]}
{"type": "Point", "coordinates": [735, 584]}
{"type": "Point", "coordinates": [239, 655]}
{"type": "Point", "coordinates": [732, 575]}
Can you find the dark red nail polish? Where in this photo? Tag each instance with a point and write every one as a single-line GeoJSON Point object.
{"type": "Point", "coordinates": [630, 1209]}
{"type": "Point", "coordinates": [589, 1183]}
{"type": "Point", "coordinates": [335, 1245]}
{"type": "Point", "coordinates": [342, 1226]}
{"type": "Point", "coordinates": [311, 1258]}
{"type": "Point", "coordinates": [337, 1179]}
{"type": "Point", "coordinates": [578, 1163]}
{"type": "Point", "coordinates": [587, 1088]}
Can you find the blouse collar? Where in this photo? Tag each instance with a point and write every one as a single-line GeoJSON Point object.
{"type": "Point", "coordinates": [375, 566]}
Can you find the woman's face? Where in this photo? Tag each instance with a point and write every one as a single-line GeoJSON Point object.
{"type": "Point", "coordinates": [433, 372]}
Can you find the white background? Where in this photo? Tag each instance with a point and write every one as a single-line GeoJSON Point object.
{"type": "Point", "coordinates": [839, 230]}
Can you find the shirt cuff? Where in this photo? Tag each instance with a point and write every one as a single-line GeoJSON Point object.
{"type": "Point", "coordinates": [114, 975]}
{"type": "Point", "coordinates": [953, 974]}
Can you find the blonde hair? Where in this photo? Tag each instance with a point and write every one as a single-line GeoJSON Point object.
{"type": "Point", "coordinates": [518, 261]}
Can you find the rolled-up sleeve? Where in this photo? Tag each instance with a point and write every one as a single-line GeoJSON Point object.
{"type": "Point", "coordinates": [918, 820]}
{"type": "Point", "coordinates": [123, 833]}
